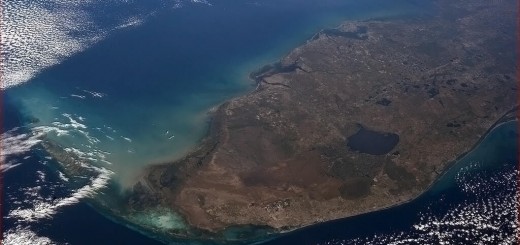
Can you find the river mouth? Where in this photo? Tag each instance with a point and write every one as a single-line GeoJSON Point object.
{"type": "Point", "coordinates": [372, 142]}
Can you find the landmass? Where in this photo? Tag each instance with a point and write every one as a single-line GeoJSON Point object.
{"type": "Point", "coordinates": [358, 118]}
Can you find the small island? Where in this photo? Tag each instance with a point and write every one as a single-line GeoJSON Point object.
{"type": "Point", "coordinates": [297, 150]}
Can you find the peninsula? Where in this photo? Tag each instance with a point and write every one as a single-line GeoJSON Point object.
{"type": "Point", "coordinates": [358, 118]}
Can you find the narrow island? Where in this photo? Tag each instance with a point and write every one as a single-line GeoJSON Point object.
{"type": "Point", "coordinates": [359, 118]}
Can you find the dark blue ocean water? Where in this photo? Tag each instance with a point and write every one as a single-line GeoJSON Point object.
{"type": "Point", "coordinates": [447, 202]}
{"type": "Point", "coordinates": [143, 92]}
{"type": "Point", "coordinates": [141, 95]}
{"type": "Point", "coordinates": [81, 224]}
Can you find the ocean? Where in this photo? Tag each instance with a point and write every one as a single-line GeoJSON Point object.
{"type": "Point", "coordinates": [125, 84]}
{"type": "Point", "coordinates": [474, 202]}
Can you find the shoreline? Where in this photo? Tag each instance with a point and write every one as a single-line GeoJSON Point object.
{"type": "Point", "coordinates": [277, 233]}
{"type": "Point", "coordinates": [216, 117]}
{"type": "Point", "coordinates": [178, 179]}
{"type": "Point", "coordinates": [496, 125]}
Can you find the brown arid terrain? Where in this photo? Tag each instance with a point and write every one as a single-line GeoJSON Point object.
{"type": "Point", "coordinates": [357, 119]}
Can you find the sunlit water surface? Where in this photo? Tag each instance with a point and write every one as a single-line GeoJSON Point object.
{"type": "Point", "coordinates": [134, 87]}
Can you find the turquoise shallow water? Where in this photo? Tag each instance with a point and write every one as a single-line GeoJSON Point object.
{"type": "Point", "coordinates": [472, 197]}
{"type": "Point", "coordinates": [141, 96]}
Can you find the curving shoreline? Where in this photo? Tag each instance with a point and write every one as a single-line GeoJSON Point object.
{"type": "Point", "coordinates": [243, 172]}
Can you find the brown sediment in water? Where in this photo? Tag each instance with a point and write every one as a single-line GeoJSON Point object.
{"type": "Point", "coordinates": [278, 156]}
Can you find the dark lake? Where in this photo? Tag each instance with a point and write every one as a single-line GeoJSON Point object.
{"type": "Point", "coordinates": [372, 142]}
{"type": "Point", "coordinates": [476, 193]}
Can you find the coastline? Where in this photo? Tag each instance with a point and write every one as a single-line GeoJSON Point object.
{"type": "Point", "coordinates": [422, 210]}
{"type": "Point", "coordinates": [194, 162]}
{"type": "Point", "coordinates": [498, 124]}
{"type": "Point", "coordinates": [277, 233]}
{"type": "Point", "coordinates": [261, 112]}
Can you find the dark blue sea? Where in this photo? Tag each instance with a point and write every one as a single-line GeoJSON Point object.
{"type": "Point", "coordinates": [124, 84]}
